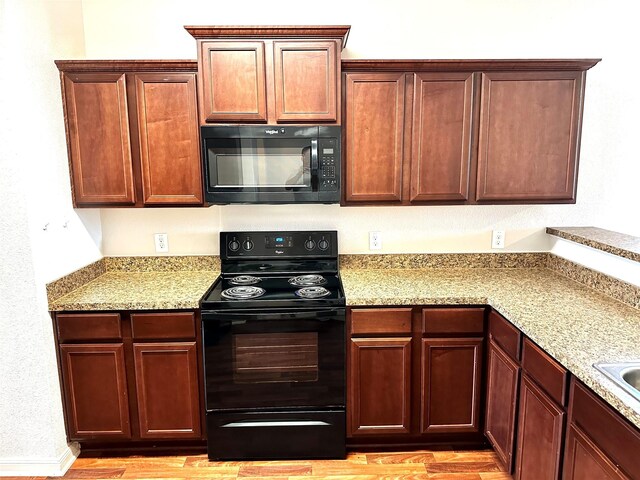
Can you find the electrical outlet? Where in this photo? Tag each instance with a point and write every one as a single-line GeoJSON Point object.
{"type": "Point", "coordinates": [162, 242]}
{"type": "Point", "coordinates": [497, 239]}
{"type": "Point", "coordinates": [375, 240]}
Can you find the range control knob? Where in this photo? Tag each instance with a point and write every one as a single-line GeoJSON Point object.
{"type": "Point", "coordinates": [247, 244]}
{"type": "Point", "coordinates": [234, 245]}
{"type": "Point", "coordinates": [323, 244]}
{"type": "Point", "coordinates": [310, 244]}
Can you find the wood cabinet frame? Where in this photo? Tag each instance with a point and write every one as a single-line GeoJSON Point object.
{"type": "Point", "coordinates": [417, 339]}
{"type": "Point", "coordinates": [142, 424]}
{"type": "Point", "coordinates": [475, 160]}
{"type": "Point", "coordinates": [128, 173]}
{"type": "Point", "coordinates": [265, 84]}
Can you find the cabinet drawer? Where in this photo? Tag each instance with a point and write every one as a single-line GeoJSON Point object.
{"type": "Point", "coordinates": [548, 373]}
{"type": "Point", "coordinates": [437, 321]}
{"type": "Point", "coordinates": [505, 335]}
{"type": "Point", "coordinates": [88, 326]}
{"type": "Point", "coordinates": [381, 320]}
{"type": "Point", "coordinates": [169, 325]}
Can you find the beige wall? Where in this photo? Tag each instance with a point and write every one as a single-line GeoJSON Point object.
{"type": "Point", "coordinates": [409, 29]}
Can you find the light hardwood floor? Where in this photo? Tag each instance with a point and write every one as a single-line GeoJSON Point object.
{"type": "Point", "coordinates": [422, 464]}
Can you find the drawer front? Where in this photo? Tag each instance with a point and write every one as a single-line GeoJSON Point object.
{"type": "Point", "coordinates": [437, 321]}
{"type": "Point", "coordinates": [380, 320]}
{"type": "Point", "coordinates": [548, 373]}
{"type": "Point", "coordinates": [505, 335]}
{"type": "Point", "coordinates": [169, 325]}
{"type": "Point", "coordinates": [88, 326]}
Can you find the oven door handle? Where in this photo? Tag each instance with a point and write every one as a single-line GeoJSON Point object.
{"type": "Point", "coordinates": [335, 314]}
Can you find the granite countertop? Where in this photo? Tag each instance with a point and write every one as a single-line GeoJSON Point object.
{"type": "Point", "coordinates": [154, 290]}
{"type": "Point", "coordinates": [575, 324]}
{"type": "Point", "coordinates": [620, 244]}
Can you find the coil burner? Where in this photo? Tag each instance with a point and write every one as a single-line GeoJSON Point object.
{"type": "Point", "coordinates": [242, 292]}
{"type": "Point", "coordinates": [244, 280]}
{"type": "Point", "coordinates": [307, 280]}
{"type": "Point", "coordinates": [312, 292]}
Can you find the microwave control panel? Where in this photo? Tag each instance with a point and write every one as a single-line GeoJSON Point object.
{"type": "Point", "coordinates": [329, 164]}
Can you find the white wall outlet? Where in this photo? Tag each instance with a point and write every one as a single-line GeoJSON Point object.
{"type": "Point", "coordinates": [162, 242]}
{"type": "Point", "coordinates": [375, 240]}
{"type": "Point", "coordinates": [497, 239]}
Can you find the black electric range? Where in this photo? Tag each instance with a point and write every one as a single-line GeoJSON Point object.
{"type": "Point", "coordinates": [274, 348]}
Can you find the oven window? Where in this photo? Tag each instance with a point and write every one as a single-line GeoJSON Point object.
{"type": "Point", "coordinates": [275, 357]}
{"type": "Point", "coordinates": [261, 162]}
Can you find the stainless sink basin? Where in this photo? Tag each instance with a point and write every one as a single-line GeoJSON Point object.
{"type": "Point", "coordinates": [624, 374]}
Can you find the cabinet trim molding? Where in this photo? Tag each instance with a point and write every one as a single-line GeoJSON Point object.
{"type": "Point", "coordinates": [271, 31]}
{"type": "Point", "coordinates": [470, 65]}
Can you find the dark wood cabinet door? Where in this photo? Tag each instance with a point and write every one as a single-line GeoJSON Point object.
{"type": "Point", "coordinates": [441, 137]}
{"type": "Point", "coordinates": [379, 391]}
{"type": "Point", "coordinates": [233, 76]}
{"type": "Point", "coordinates": [583, 460]}
{"type": "Point", "coordinates": [374, 121]}
{"type": "Point", "coordinates": [98, 138]}
{"type": "Point", "coordinates": [540, 432]}
{"type": "Point", "coordinates": [502, 397]}
{"type": "Point", "coordinates": [167, 389]}
{"type": "Point", "coordinates": [306, 76]}
{"type": "Point", "coordinates": [169, 140]}
{"type": "Point", "coordinates": [95, 391]}
{"type": "Point", "coordinates": [451, 377]}
{"type": "Point", "coordinates": [529, 136]}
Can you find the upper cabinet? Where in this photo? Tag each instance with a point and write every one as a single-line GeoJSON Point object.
{"type": "Point", "coordinates": [374, 133]}
{"type": "Point", "coordinates": [132, 132]}
{"type": "Point", "coordinates": [462, 131]}
{"type": "Point", "coordinates": [269, 74]}
{"type": "Point", "coordinates": [408, 136]}
{"type": "Point", "coordinates": [529, 135]}
{"type": "Point", "coordinates": [98, 133]}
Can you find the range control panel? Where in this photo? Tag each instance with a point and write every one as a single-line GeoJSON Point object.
{"type": "Point", "coordinates": [328, 164]}
{"type": "Point", "coordinates": [279, 244]}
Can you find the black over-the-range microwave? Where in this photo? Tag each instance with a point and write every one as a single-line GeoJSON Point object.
{"type": "Point", "coordinates": [271, 164]}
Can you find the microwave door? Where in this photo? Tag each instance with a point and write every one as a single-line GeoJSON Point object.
{"type": "Point", "coordinates": [261, 164]}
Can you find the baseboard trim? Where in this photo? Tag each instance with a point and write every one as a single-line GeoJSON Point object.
{"type": "Point", "coordinates": [39, 467]}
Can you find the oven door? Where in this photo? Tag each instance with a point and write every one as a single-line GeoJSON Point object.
{"type": "Point", "coordinates": [274, 359]}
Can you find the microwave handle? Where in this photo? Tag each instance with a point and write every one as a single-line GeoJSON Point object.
{"type": "Point", "coordinates": [314, 157]}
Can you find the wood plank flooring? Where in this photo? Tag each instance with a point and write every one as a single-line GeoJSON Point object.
{"type": "Point", "coordinates": [422, 464]}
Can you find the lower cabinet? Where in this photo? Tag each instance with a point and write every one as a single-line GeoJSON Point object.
{"type": "Point", "coordinates": [166, 387]}
{"type": "Point", "coordinates": [451, 373]}
{"type": "Point", "coordinates": [130, 377]}
{"type": "Point", "coordinates": [540, 432]}
{"type": "Point", "coordinates": [380, 386]}
{"type": "Point", "coordinates": [600, 444]}
{"type": "Point", "coordinates": [95, 386]}
{"type": "Point", "coordinates": [414, 374]}
{"type": "Point", "coordinates": [502, 396]}
{"type": "Point", "coordinates": [585, 461]}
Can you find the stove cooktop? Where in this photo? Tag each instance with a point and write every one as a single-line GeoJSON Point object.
{"type": "Point", "coordinates": [283, 269]}
{"type": "Point", "coordinates": [281, 290]}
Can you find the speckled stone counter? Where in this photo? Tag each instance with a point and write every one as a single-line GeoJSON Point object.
{"type": "Point", "coordinates": [135, 283]}
{"type": "Point", "coordinates": [572, 322]}
{"type": "Point", "coordinates": [138, 291]}
{"type": "Point", "coordinates": [623, 245]}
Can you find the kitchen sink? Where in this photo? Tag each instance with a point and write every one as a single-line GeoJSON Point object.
{"type": "Point", "coordinates": [624, 374]}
